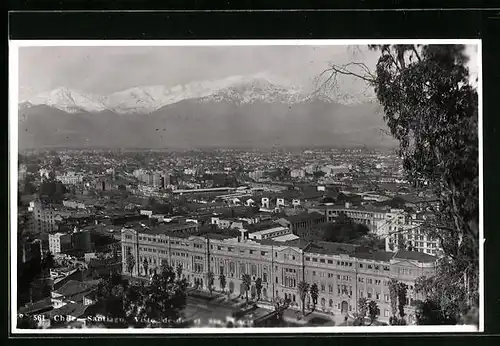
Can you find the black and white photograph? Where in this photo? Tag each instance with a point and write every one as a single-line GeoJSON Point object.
{"type": "Point", "coordinates": [330, 186]}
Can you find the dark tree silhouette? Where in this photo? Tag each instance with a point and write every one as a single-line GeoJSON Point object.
{"type": "Point", "coordinates": [303, 290]}
{"type": "Point", "coordinates": [373, 311]}
{"type": "Point", "coordinates": [314, 294]}
{"type": "Point", "coordinates": [258, 287]}
{"type": "Point", "coordinates": [431, 107]}
{"type": "Point", "coordinates": [246, 281]}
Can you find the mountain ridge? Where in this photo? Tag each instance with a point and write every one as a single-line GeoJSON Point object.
{"type": "Point", "coordinates": [148, 99]}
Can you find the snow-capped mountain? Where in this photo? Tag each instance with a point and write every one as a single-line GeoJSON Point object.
{"type": "Point", "coordinates": [147, 99]}
{"type": "Point", "coordinates": [70, 101]}
{"type": "Point", "coordinates": [239, 111]}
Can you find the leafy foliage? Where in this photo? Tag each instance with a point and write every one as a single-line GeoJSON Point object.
{"type": "Point", "coordinates": [361, 313]}
{"type": "Point", "coordinates": [314, 294]}
{"type": "Point", "coordinates": [210, 283]}
{"type": "Point", "coordinates": [373, 311]}
{"type": "Point", "coordinates": [362, 307]}
{"type": "Point", "coordinates": [145, 265]}
{"type": "Point", "coordinates": [303, 290]}
{"type": "Point", "coordinates": [343, 230]}
{"type": "Point", "coordinates": [398, 294]}
{"type": "Point", "coordinates": [429, 312]}
{"type": "Point", "coordinates": [222, 281]}
{"type": "Point", "coordinates": [431, 108]}
{"type": "Point", "coordinates": [109, 295]}
{"type": "Point", "coordinates": [164, 299]}
{"type": "Point", "coordinates": [393, 294]}
{"type": "Point", "coordinates": [258, 287]}
{"type": "Point", "coordinates": [130, 261]}
{"type": "Point", "coordinates": [280, 305]}
{"type": "Point", "coordinates": [246, 281]}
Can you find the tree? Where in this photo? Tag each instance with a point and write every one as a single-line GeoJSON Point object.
{"type": "Point", "coordinates": [393, 294]}
{"type": "Point", "coordinates": [210, 282]}
{"type": "Point", "coordinates": [222, 281]}
{"type": "Point", "coordinates": [314, 294]}
{"type": "Point", "coordinates": [258, 287]}
{"type": "Point", "coordinates": [402, 289]}
{"type": "Point", "coordinates": [145, 265]}
{"type": "Point", "coordinates": [246, 281]}
{"type": "Point", "coordinates": [280, 305]}
{"type": "Point", "coordinates": [303, 290]}
{"type": "Point", "coordinates": [398, 295]}
{"type": "Point", "coordinates": [178, 271]}
{"type": "Point", "coordinates": [130, 261]}
{"type": "Point", "coordinates": [164, 298]}
{"type": "Point", "coordinates": [373, 311]}
{"type": "Point", "coordinates": [431, 108]}
{"type": "Point", "coordinates": [362, 310]}
{"type": "Point", "coordinates": [109, 296]}
{"type": "Point", "coordinates": [429, 312]}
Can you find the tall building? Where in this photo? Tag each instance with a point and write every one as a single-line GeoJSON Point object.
{"type": "Point", "coordinates": [256, 175]}
{"type": "Point", "coordinates": [156, 179]}
{"type": "Point", "coordinates": [42, 217]}
{"type": "Point", "coordinates": [342, 272]}
{"type": "Point", "coordinates": [410, 235]}
{"type": "Point", "coordinates": [30, 250]}
{"type": "Point", "coordinates": [60, 242]}
{"type": "Point", "coordinates": [80, 240]}
{"type": "Point", "coordinates": [166, 179]}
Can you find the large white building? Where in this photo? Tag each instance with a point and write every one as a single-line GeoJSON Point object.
{"type": "Point", "coordinates": [297, 173]}
{"type": "Point", "coordinates": [410, 235]}
{"type": "Point", "coordinates": [59, 242]}
{"type": "Point", "coordinates": [70, 178]}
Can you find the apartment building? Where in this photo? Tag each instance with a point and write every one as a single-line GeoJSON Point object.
{"type": "Point", "coordinates": [43, 217]}
{"type": "Point", "coordinates": [60, 242]}
{"type": "Point", "coordinates": [343, 272]}
{"type": "Point", "coordinates": [411, 235]}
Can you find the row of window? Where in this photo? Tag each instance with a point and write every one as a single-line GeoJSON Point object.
{"type": "Point", "coordinates": [371, 281]}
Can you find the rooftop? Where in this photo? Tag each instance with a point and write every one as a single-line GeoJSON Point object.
{"type": "Point", "coordinates": [304, 217]}
{"type": "Point", "coordinates": [329, 248]}
{"type": "Point", "coordinates": [44, 304]}
{"type": "Point", "coordinates": [415, 256]}
{"type": "Point", "coordinates": [74, 287]}
{"type": "Point", "coordinates": [286, 238]}
{"type": "Point", "coordinates": [269, 230]}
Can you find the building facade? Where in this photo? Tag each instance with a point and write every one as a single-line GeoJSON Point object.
{"type": "Point", "coordinates": [43, 217]}
{"type": "Point", "coordinates": [342, 274]}
{"type": "Point", "coordinates": [59, 242]}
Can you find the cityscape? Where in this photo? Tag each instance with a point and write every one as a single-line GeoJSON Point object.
{"type": "Point", "coordinates": [245, 201]}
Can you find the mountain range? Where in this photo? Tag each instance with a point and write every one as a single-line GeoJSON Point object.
{"type": "Point", "coordinates": [239, 111]}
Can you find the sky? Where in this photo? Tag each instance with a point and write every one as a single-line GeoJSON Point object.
{"type": "Point", "coordinates": [102, 70]}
